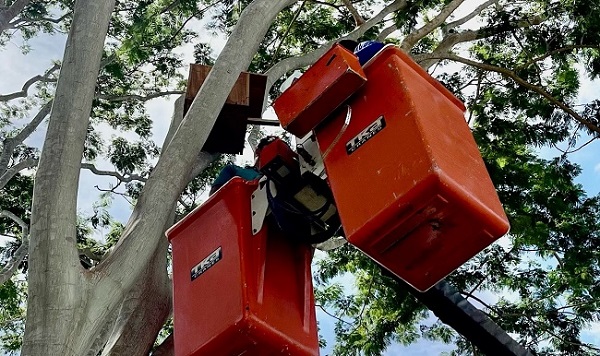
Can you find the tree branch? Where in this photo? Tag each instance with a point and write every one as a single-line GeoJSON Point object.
{"type": "Point", "coordinates": [56, 279]}
{"type": "Point", "coordinates": [144, 230]}
{"type": "Point", "coordinates": [450, 40]}
{"type": "Point", "coordinates": [9, 144]}
{"type": "Point", "coordinates": [288, 64]}
{"type": "Point", "coordinates": [287, 30]}
{"type": "Point", "coordinates": [33, 125]}
{"type": "Point", "coordinates": [539, 90]}
{"type": "Point", "coordinates": [386, 32]}
{"type": "Point", "coordinates": [7, 271]}
{"type": "Point", "coordinates": [123, 178]}
{"type": "Point", "coordinates": [194, 15]}
{"type": "Point", "coordinates": [135, 97]}
{"type": "Point", "coordinates": [38, 78]}
{"type": "Point", "coordinates": [410, 40]}
{"type": "Point", "coordinates": [556, 51]}
{"type": "Point", "coordinates": [358, 19]}
{"type": "Point", "coordinates": [470, 16]}
{"type": "Point", "coordinates": [13, 10]}
{"type": "Point", "coordinates": [202, 161]}
{"type": "Point", "coordinates": [486, 305]}
{"type": "Point", "coordinates": [12, 171]}
{"type": "Point", "coordinates": [333, 315]}
{"type": "Point", "coordinates": [47, 19]}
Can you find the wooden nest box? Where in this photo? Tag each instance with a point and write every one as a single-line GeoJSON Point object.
{"type": "Point", "coordinates": [244, 102]}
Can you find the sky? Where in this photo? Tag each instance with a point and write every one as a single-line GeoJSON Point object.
{"type": "Point", "coordinates": [16, 68]}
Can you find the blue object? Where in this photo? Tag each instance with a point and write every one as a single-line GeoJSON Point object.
{"type": "Point", "coordinates": [366, 50]}
{"type": "Point", "coordinates": [230, 171]}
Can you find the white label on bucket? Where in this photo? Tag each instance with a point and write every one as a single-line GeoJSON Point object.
{"type": "Point", "coordinates": [365, 135]}
{"type": "Point", "coordinates": [206, 263]}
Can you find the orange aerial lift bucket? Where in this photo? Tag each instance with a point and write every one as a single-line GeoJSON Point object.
{"type": "Point", "coordinates": [301, 107]}
{"type": "Point", "coordinates": [411, 188]}
{"type": "Point", "coordinates": [236, 293]}
{"type": "Point", "coordinates": [408, 181]}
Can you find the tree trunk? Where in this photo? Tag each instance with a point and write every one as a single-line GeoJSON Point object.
{"type": "Point", "coordinates": [145, 226]}
{"type": "Point", "coordinates": [144, 310]}
{"type": "Point", "coordinates": [57, 284]}
{"type": "Point", "coordinates": [68, 306]}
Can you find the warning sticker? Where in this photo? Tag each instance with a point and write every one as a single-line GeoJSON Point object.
{"type": "Point", "coordinates": [365, 135]}
{"type": "Point", "coordinates": [206, 263]}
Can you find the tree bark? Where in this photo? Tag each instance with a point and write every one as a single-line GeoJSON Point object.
{"type": "Point", "coordinates": [144, 310]}
{"type": "Point", "coordinates": [57, 284]}
{"type": "Point", "coordinates": [167, 348]}
{"type": "Point", "coordinates": [416, 36]}
{"type": "Point", "coordinates": [289, 64]}
{"type": "Point", "coordinates": [144, 229]}
{"type": "Point", "coordinates": [8, 14]}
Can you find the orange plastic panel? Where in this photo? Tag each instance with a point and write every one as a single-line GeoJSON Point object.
{"type": "Point", "coordinates": [318, 92]}
{"type": "Point", "coordinates": [235, 293]}
{"type": "Point", "coordinates": [411, 188]}
{"type": "Point", "coordinates": [277, 149]}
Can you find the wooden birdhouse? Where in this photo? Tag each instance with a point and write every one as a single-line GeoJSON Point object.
{"type": "Point", "coordinates": [245, 101]}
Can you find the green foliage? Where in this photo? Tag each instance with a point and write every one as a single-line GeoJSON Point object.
{"type": "Point", "coordinates": [17, 195]}
{"type": "Point", "coordinates": [194, 193]}
{"type": "Point", "coordinates": [38, 17]}
{"type": "Point", "coordinates": [129, 157]}
{"type": "Point", "coordinates": [546, 276]}
{"type": "Point", "coordinates": [12, 312]}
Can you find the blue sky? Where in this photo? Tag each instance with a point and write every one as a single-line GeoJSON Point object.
{"type": "Point", "coordinates": [16, 68]}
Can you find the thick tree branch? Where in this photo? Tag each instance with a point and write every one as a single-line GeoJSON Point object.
{"type": "Point", "coordinates": [144, 310]}
{"type": "Point", "coordinates": [135, 97]}
{"type": "Point", "coordinates": [7, 14]}
{"type": "Point", "coordinates": [9, 269]}
{"type": "Point", "coordinates": [123, 178]}
{"type": "Point", "coordinates": [556, 51]}
{"type": "Point", "coordinates": [12, 171]}
{"type": "Point", "coordinates": [202, 161]}
{"type": "Point", "coordinates": [324, 3]}
{"type": "Point", "coordinates": [358, 19]}
{"type": "Point", "coordinates": [288, 64]}
{"type": "Point", "coordinates": [33, 125]}
{"type": "Point", "coordinates": [144, 229]}
{"type": "Point", "coordinates": [386, 32]}
{"type": "Point", "coordinates": [254, 136]}
{"type": "Point", "coordinates": [410, 40]}
{"type": "Point", "coordinates": [536, 89]}
{"type": "Point", "coordinates": [470, 16]}
{"type": "Point", "coordinates": [176, 119]}
{"type": "Point", "coordinates": [450, 40]}
{"type": "Point", "coordinates": [38, 78]}
{"type": "Point", "coordinates": [428, 60]}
